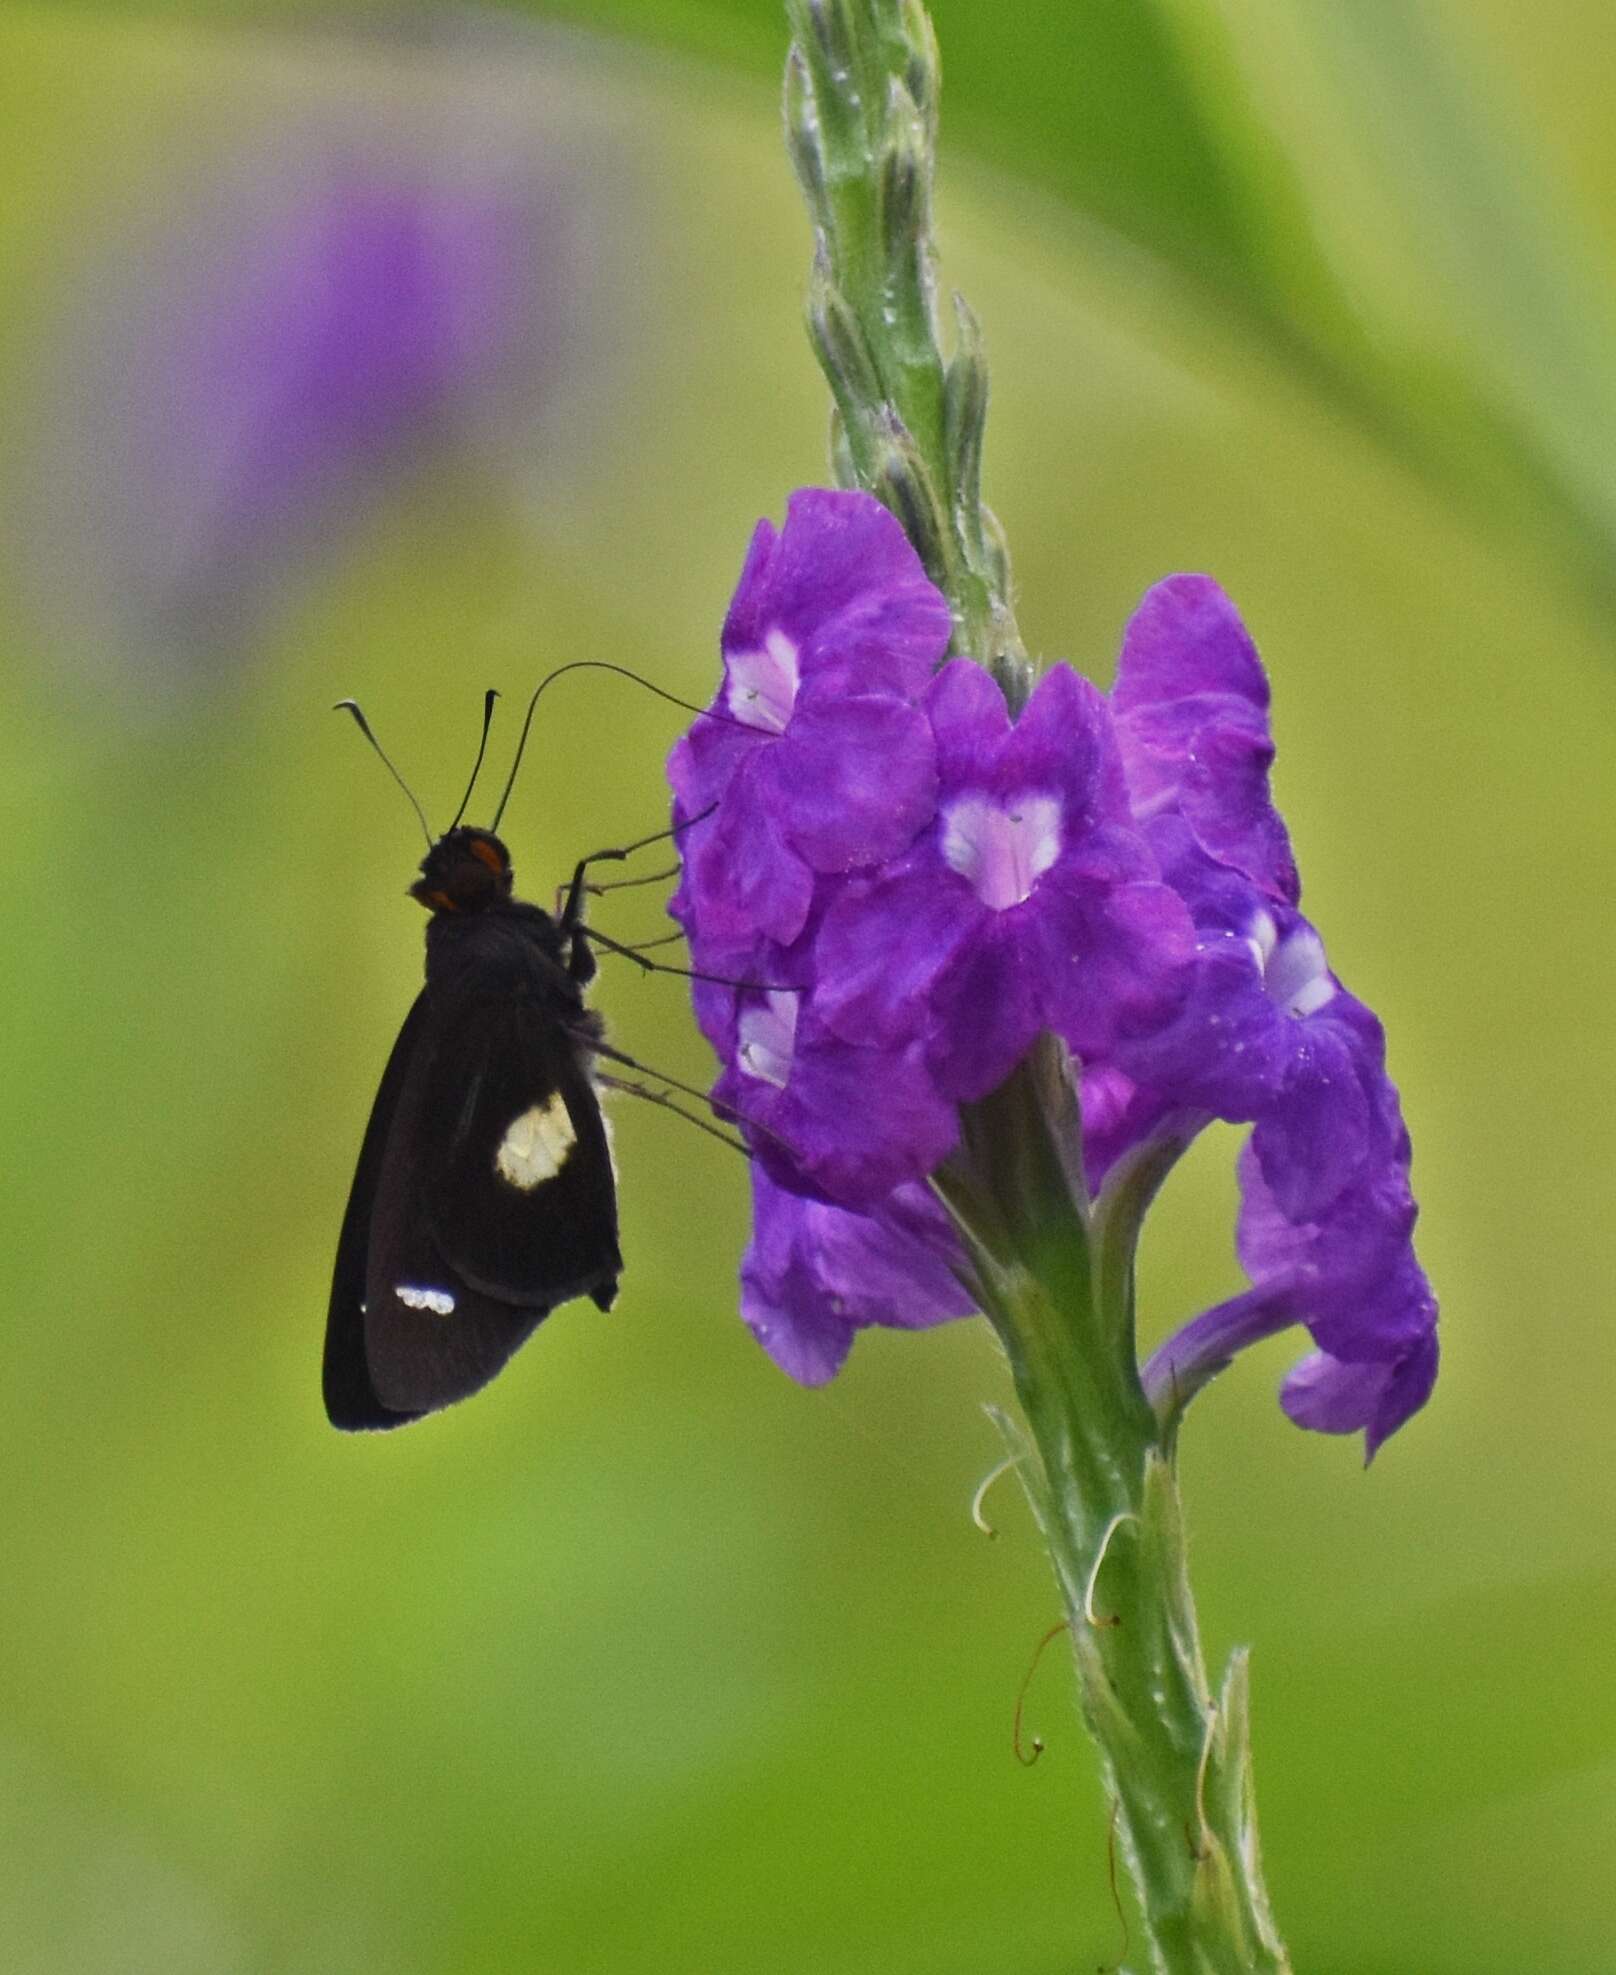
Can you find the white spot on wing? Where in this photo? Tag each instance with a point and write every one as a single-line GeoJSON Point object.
{"type": "Point", "coordinates": [438, 1301]}
{"type": "Point", "coordinates": [535, 1145]}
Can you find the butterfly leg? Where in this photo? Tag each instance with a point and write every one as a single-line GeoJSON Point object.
{"type": "Point", "coordinates": [664, 1099]}
{"type": "Point", "coordinates": [637, 955]}
{"type": "Point", "coordinates": [580, 961]}
{"type": "Point", "coordinates": [628, 884]}
{"type": "Point", "coordinates": [598, 1047]}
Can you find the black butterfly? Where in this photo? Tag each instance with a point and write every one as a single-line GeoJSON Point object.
{"type": "Point", "coordinates": [484, 1194]}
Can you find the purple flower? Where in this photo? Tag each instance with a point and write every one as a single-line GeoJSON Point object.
{"type": "Point", "coordinates": [823, 1114]}
{"type": "Point", "coordinates": [1267, 1034]}
{"type": "Point", "coordinates": [818, 760]}
{"type": "Point", "coordinates": [1030, 903]}
{"type": "Point", "coordinates": [816, 1274]}
{"type": "Point", "coordinates": [1350, 1276]}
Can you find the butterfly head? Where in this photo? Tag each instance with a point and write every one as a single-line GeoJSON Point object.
{"type": "Point", "coordinates": [465, 871]}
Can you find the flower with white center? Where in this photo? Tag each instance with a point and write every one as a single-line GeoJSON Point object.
{"type": "Point", "coordinates": [1295, 974]}
{"type": "Point", "coordinates": [826, 1117]}
{"type": "Point", "coordinates": [1030, 905]}
{"type": "Point", "coordinates": [814, 759]}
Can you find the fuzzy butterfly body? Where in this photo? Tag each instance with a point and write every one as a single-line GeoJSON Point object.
{"type": "Point", "coordinates": [484, 1194]}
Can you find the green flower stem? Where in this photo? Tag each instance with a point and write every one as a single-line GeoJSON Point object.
{"type": "Point", "coordinates": [1055, 1276]}
{"type": "Point", "coordinates": [1057, 1284]}
{"type": "Point", "coordinates": [861, 124]}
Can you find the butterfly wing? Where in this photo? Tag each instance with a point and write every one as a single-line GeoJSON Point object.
{"type": "Point", "coordinates": [495, 1199]}
{"type": "Point", "coordinates": [351, 1401]}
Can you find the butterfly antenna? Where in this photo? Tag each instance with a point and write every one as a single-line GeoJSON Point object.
{"type": "Point", "coordinates": [482, 748]}
{"type": "Point", "coordinates": [352, 706]}
{"type": "Point", "coordinates": [594, 665]}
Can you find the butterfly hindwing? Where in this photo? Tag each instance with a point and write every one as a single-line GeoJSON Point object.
{"type": "Point", "coordinates": [350, 1396]}
{"type": "Point", "coordinates": [516, 1171]}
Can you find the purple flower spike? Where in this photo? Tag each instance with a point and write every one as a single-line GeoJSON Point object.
{"type": "Point", "coordinates": [915, 887]}
{"type": "Point", "coordinates": [819, 760]}
{"type": "Point", "coordinates": [1031, 904]}
{"type": "Point", "coordinates": [814, 1274]}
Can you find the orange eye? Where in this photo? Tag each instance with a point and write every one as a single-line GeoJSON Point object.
{"type": "Point", "coordinates": [488, 854]}
{"type": "Point", "coordinates": [442, 901]}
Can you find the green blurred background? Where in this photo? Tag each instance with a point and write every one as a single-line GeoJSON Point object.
{"type": "Point", "coordinates": [645, 1659]}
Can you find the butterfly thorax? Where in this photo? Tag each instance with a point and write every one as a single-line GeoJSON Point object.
{"type": "Point", "coordinates": [510, 948]}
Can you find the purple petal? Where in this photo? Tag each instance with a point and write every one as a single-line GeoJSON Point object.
{"type": "Point", "coordinates": [815, 1273]}
{"type": "Point", "coordinates": [842, 582]}
{"type": "Point", "coordinates": [1374, 1396]}
{"type": "Point", "coordinates": [1063, 743]}
{"type": "Point", "coordinates": [970, 722]}
{"type": "Point", "coordinates": [1184, 639]}
{"type": "Point", "coordinates": [853, 782]}
{"type": "Point", "coordinates": [1114, 957]}
{"type": "Point", "coordinates": [1351, 1276]}
{"type": "Point", "coordinates": [1358, 1239]}
{"type": "Point", "coordinates": [792, 1319]}
{"type": "Point", "coordinates": [1314, 1136]}
{"type": "Point", "coordinates": [1191, 706]}
{"type": "Point", "coordinates": [1406, 1391]}
{"type": "Point", "coordinates": [988, 1007]}
{"type": "Point", "coordinates": [1330, 1396]}
{"type": "Point", "coordinates": [856, 1150]}
{"type": "Point", "coordinates": [882, 947]}
{"type": "Point", "coordinates": [1226, 1048]}
{"type": "Point", "coordinates": [706, 760]}
{"type": "Point", "coordinates": [746, 882]}
{"type": "Point", "coordinates": [821, 1130]}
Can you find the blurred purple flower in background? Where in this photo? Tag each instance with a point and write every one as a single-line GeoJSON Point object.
{"type": "Point", "coordinates": [291, 323]}
{"type": "Point", "coordinates": [337, 331]}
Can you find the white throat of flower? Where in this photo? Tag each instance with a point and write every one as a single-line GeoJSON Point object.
{"type": "Point", "coordinates": [1295, 973]}
{"type": "Point", "coordinates": [1002, 849]}
{"type": "Point", "coordinates": [762, 686]}
{"type": "Point", "coordinates": [767, 1036]}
